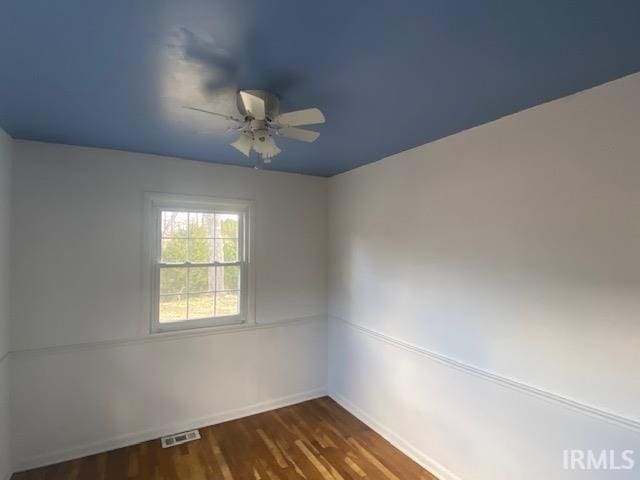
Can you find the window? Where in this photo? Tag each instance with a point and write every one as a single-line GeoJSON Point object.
{"type": "Point", "coordinates": [199, 261]}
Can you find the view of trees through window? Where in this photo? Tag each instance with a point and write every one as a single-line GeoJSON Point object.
{"type": "Point", "coordinates": [200, 267]}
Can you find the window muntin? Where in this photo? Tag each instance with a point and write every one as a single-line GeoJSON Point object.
{"type": "Point", "coordinates": [200, 265]}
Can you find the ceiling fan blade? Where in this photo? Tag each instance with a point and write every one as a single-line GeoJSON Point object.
{"type": "Point", "coordinates": [220, 131]}
{"type": "Point", "coordinates": [299, 134]}
{"type": "Point", "coordinates": [243, 144]}
{"type": "Point", "coordinates": [310, 116]}
{"type": "Point", "coordinates": [221, 115]}
{"type": "Point", "coordinates": [253, 105]}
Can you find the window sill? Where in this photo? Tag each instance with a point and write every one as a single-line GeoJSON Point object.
{"type": "Point", "coordinates": [207, 324]}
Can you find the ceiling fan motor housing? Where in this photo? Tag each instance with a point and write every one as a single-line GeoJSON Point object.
{"type": "Point", "coordinates": [271, 104]}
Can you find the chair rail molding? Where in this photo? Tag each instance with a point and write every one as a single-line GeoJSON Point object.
{"type": "Point", "coordinates": [165, 337]}
{"type": "Point", "coordinates": [557, 399]}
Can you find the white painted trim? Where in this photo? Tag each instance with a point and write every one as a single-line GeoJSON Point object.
{"type": "Point", "coordinates": [565, 402]}
{"type": "Point", "coordinates": [164, 337]}
{"type": "Point", "coordinates": [137, 437]}
{"type": "Point", "coordinates": [424, 460]}
{"type": "Point", "coordinates": [154, 203]}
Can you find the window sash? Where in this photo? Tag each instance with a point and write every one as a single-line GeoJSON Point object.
{"type": "Point", "coordinates": [239, 317]}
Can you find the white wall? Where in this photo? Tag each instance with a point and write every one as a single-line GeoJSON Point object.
{"type": "Point", "coordinates": [5, 210]}
{"type": "Point", "coordinates": [85, 374]}
{"type": "Point", "coordinates": [485, 290]}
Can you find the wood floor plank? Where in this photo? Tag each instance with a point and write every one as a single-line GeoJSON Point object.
{"type": "Point", "coordinates": [314, 440]}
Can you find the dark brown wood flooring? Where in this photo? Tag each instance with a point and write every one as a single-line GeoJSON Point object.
{"type": "Point", "coordinates": [314, 440]}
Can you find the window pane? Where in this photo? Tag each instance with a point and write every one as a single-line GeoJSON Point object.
{"type": "Point", "coordinates": [201, 225]}
{"type": "Point", "coordinates": [173, 280]}
{"type": "Point", "coordinates": [201, 305]}
{"type": "Point", "coordinates": [174, 224]}
{"type": "Point", "coordinates": [173, 308]}
{"type": "Point", "coordinates": [227, 225]}
{"type": "Point", "coordinates": [228, 278]}
{"type": "Point", "coordinates": [202, 279]}
{"type": "Point", "coordinates": [174, 250]}
{"type": "Point", "coordinates": [227, 303]}
{"type": "Point", "coordinates": [201, 250]}
{"type": "Point", "coordinates": [226, 250]}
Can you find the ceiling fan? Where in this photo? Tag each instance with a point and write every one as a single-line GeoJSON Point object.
{"type": "Point", "coordinates": [262, 120]}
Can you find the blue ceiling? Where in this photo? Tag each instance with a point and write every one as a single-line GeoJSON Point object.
{"type": "Point", "coordinates": [388, 74]}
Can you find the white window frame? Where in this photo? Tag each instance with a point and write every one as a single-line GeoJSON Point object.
{"type": "Point", "coordinates": [155, 203]}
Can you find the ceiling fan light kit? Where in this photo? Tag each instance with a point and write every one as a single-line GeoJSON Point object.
{"type": "Point", "coordinates": [262, 120]}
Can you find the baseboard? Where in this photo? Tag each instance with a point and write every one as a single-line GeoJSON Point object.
{"type": "Point", "coordinates": [134, 438]}
{"type": "Point", "coordinates": [396, 440]}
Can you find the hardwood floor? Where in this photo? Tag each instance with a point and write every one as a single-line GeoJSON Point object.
{"type": "Point", "coordinates": [314, 440]}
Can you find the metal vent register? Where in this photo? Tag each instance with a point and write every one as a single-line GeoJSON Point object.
{"type": "Point", "coordinates": [178, 438]}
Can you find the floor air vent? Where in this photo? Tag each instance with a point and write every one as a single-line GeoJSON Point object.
{"type": "Point", "coordinates": [178, 438]}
